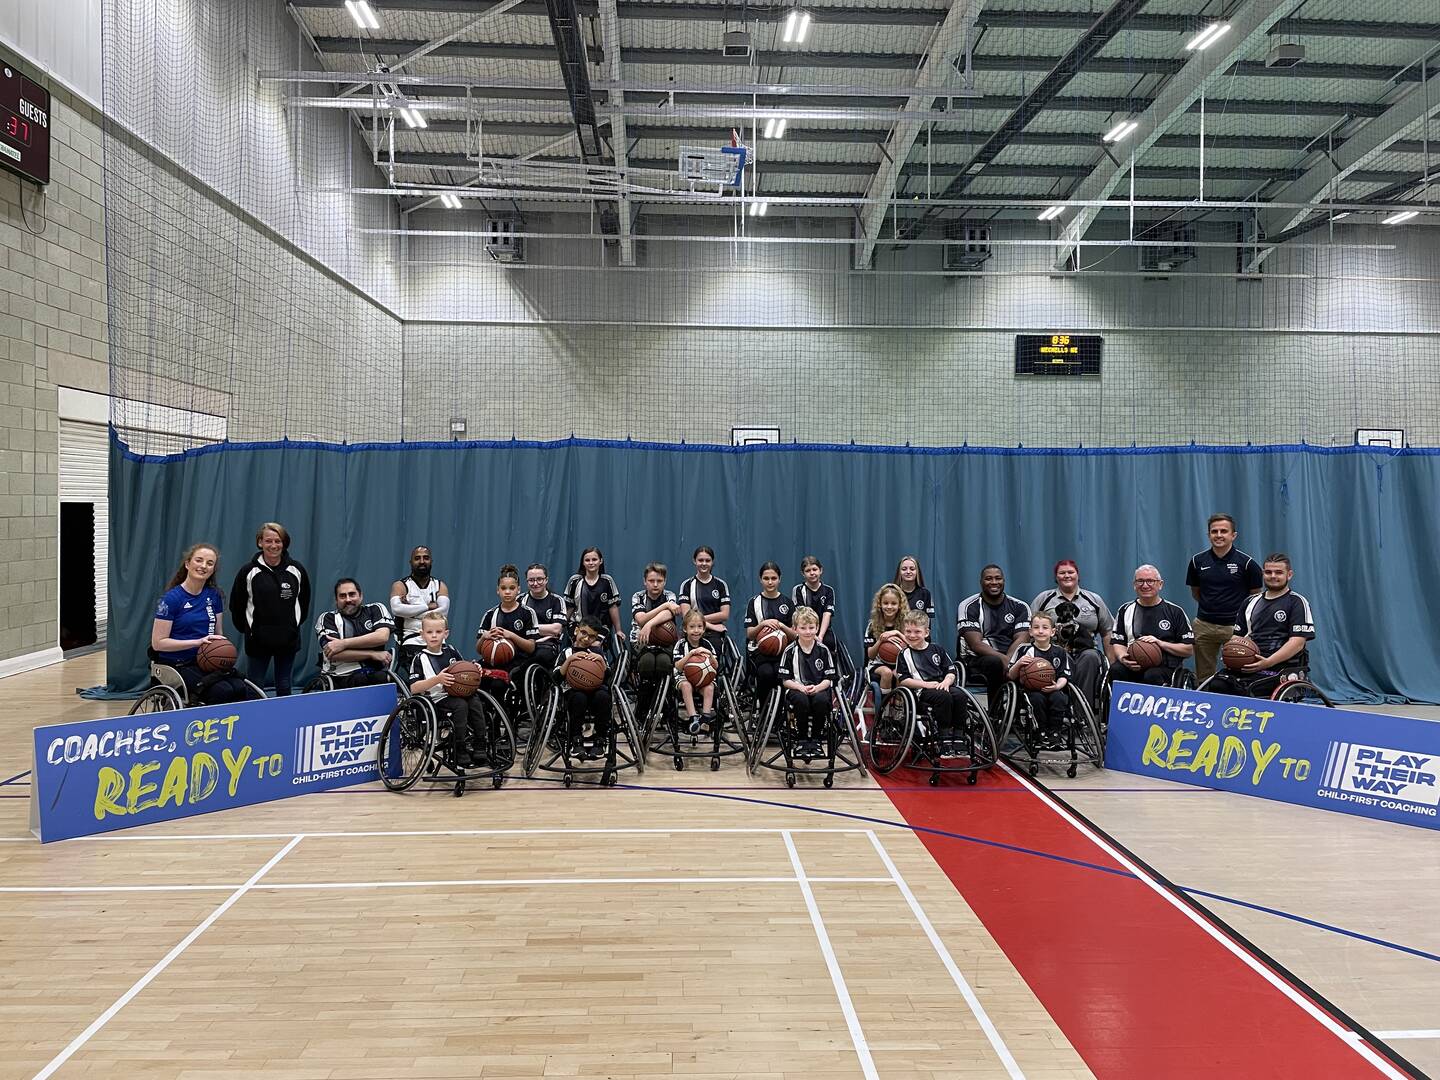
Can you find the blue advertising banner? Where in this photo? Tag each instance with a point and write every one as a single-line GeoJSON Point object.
{"type": "Point", "coordinates": [101, 775]}
{"type": "Point", "coordinates": [1363, 763]}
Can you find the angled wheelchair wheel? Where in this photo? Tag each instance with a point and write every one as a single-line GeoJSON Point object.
{"type": "Point", "coordinates": [1301, 692]}
{"type": "Point", "coordinates": [158, 698]}
{"type": "Point", "coordinates": [984, 743]}
{"type": "Point", "coordinates": [407, 744]}
{"type": "Point", "coordinates": [1182, 678]}
{"type": "Point", "coordinates": [318, 685]}
{"type": "Point", "coordinates": [499, 733]}
{"type": "Point", "coordinates": [891, 730]}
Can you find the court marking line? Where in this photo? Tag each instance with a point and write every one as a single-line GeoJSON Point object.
{"type": "Point", "coordinates": [1345, 1035]}
{"type": "Point", "coordinates": [961, 983]}
{"type": "Point", "coordinates": [164, 962]}
{"type": "Point", "coordinates": [118, 837]}
{"type": "Point", "coordinates": [444, 883]}
{"type": "Point", "coordinates": [1420, 1034]}
{"type": "Point", "coordinates": [837, 977]}
{"type": "Point", "coordinates": [17, 776]}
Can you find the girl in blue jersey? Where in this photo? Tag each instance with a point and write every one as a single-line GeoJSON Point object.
{"type": "Point", "coordinates": [188, 615]}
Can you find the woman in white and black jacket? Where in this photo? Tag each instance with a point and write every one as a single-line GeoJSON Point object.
{"type": "Point", "coordinates": [270, 601]}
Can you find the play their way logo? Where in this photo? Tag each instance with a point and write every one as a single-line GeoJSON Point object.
{"type": "Point", "coordinates": [1358, 773]}
{"type": "Point", "coordinates": [337, 744]}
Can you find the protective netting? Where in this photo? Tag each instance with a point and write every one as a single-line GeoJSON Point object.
{"type": "Point", "coordinates": [258, 275]}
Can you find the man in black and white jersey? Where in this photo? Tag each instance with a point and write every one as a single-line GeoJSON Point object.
{"type": "Point", "coordinates": [1280, 623]}
{"type": "Point", "coordinates": [411, 597]}
{"type": "Point", "coordinates": [1149, 617]}
{"type": "Point", "coordinates": [354, 639]}
{"type": "Point", "coordinates": [990, 626]}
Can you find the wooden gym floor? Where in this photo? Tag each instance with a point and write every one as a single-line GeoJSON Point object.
{"type": "Point", "coordinates": [712, 925]}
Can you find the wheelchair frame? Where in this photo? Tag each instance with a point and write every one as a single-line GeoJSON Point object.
{"type": "Point", "coordinates": [1084, 740]}
{"type": "Point", "coordinates": [727, 737]}
{"type": "Point", "coordinates": [550, 751]}
{"type": "Point", "coordinates": [842, 746]}
{"type": "Point", "coordinates": [1296, 688]}
{"type": "Point", "coordinates": [892, 741]}
{"type": "Point", "coordinates": [416, 724]}
{"type": "Point", "coordinates": [168, 692]}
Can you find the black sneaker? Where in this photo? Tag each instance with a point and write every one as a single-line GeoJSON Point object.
{"type": "Point", "coordinates": [695, 722]}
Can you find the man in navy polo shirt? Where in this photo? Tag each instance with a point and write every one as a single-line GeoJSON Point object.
{"type": "Point", "coordinates": [1279, 621]}
{"type": "Point", "coordinates": [1220, 579]}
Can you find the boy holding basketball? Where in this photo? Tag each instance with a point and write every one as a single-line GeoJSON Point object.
{"type": "Point", "coordinates": [694, 641]}
{"type": "Point", "coordinates": [1049, 705]}
{"type": "Point", "coordinates": [586, 708]}
{"type": "Point", "coordinates": [927, 669]}
{"type": "Point", "coordinates": [429, 676]}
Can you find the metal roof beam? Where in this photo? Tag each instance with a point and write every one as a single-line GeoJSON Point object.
{"type": "Point", "coordinates": [936, 70]}
{"type": "Point", "coordinates": [619, 139]}
{"type": "Point", "coordinates": [1346, 163]}
{"type": "Point", "coordinates": [1248, 28]}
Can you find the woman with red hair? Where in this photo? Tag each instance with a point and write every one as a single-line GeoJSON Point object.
{"type": "Point", "coordinates": [1081, 619]}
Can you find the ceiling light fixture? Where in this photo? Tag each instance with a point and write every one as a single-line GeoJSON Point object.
{"type": "Point", "coordinates": [757, 209]}
{"type": "Point", "coordinates": [1120, 131]}
{"type": "Point", "coordinates": [362, 14]}
{"type": "Point", "coordinates": [1051, 212]}
{"type": "Point", "coordinates": [775, 127]}
{"type": "Point", "coordinates": [797, 25]}
{"type": "Point", "coordinates": [1404, 215]}
{"type": "Point", "coordinates": [1207, 37]}
{"type": "Point", "coordinates": [450, 200]}
{"type": "Point", "coordinates": [412, 117]}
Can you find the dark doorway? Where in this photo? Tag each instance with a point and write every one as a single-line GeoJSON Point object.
{"type": "Point", "coordinates": [77, 575]}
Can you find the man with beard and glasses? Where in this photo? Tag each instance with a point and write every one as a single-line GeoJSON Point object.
{"type": "Point", "coordinates": [354, 638]}
{"type": "Point", "coordinates": [411, 597]}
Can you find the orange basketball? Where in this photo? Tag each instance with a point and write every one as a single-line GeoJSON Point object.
{"type": "Point", "coordinates": [1146, 653]}
{"type": "Point", "coordinates": [215, 656]}
{"type": "Point", "coordinates": [890, 644]}
{"type": "Point", "coordinates": [1037, 674]}
{"type": "Point", "coordinates": [664, 633]}
{"type": "Point", "coordinates": [1239, 651]}
{"type": "Point", "coordinates": [770, 641]}
{"type": "Point", "coordinates": [586, 670]}
{"type": "Point", "coordinates": [467, 678]}
{"type": "Point", "coordinates": [496, 652]}
{"type": "Point", "coordinates": [699, 668]}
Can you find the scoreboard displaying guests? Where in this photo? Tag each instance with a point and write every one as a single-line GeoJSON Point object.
{"type": "Point", "coordinates": [1058, 354]}
{"type": "Point", "coordinates": [24, 124]}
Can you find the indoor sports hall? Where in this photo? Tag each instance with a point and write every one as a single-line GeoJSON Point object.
{"type": "Point", "coordinates": [784, 539]}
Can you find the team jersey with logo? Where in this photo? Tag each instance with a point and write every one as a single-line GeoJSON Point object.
{"type": "Point", "coordinates": [416, 594]}
{"type": "Point", "coordinates": [996, 623]}
{"type": "Point", "coordinates": [332, 626]}
{"type": "Point", "coordinates": [780, 608]}
{"type": "Point", "coordinates": [1223, 583]}
{"type": "Point", "coordinates": [872, 636]}
{"type": "Point", "coordinates": [1270, 623]}
{"type": "Point", "coordinates": [191, 616]}
{"type": "Point", "coordinates": [594, 601]}
{"type": "Point", "coordinates": [929, 664]}
{"type": "Point", "coordinates": [683, 648]}
{"type": "Point", "coordinates": [1058, 657]}
{"type": "Point", "coordinates": [819, 600]}
{"type": "Point", "coordinates": [520, 620]}
{"type": "Point", "coordinates": [919, 600]}
{"type": "Point", "coordinates": [1094, 618]}
{"type": "Point", "coordinates": [550, 608]}
{"type": "Point", "coordinates": [808, 669]}
{"type": "Point", "coordinates": [641, 602]}
{"type": "Point", "coordinates": [1164, 621]}
{"type": "Point", "coordinates": [427, 665]}
{"type": "Point", "coordinates": [709, 596]}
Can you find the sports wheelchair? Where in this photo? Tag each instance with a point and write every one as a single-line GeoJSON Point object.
{"type": "Point", "coordinates": [415, 745]}
{"type": "Point", "coordinates": [1179, 678]}
{"type": "Point", "coordinates": [839, 750]}
{"type": "Point", "coordinates": [1082, 739]}
{"type": "Point", "coordinates": [552, 750]}
{"type": "Point", "coordinates": [1293, 686]}
{"type": "Point", "coordinates": [902, 732]}
{"type": "Point", "coordinates": [324, 681]}
{"type": "Point", "coordinates": [662, 725]}
{"type": "Point", "coordinates": [167, 691]}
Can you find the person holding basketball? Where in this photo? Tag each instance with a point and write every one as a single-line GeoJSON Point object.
{"type": "Point", "coordinates": [593, 594]}
{"type": "Point", "coordinates": [808, 674]}
{"type": "Point", "coordinates": [1082, 622]}
{"type": "Point", "coordinates": [692, 640]}
{"type": "Point", "coordinates": [1280, 624]}
{"type": "Point", "coordinates": [652, 608]}
{"type": "Point", "coordinates": [429, 675]}
{"type": "Point", "coordinates": [911, 581]}
{"type": "Point", "coordinates": [353, 639]}
{"type": "Point", "coordinates": [272, 601]}
{"type": "Point", "coordinates": [770, 609]}
{"type": "Point", "coordinates": [586, 708]}
{"type": "Point", "coordinates": [1049, 705]}
{"type": "Point", "coordinates": [1162, 626]}
{"type": "Point", "coordinates": [511, 622]}
{"type": "Point", "coordinates": [927, 669]}
{"type": "Point", "coordinates": [411, 597]}
{"type": "Point", "coordinates": [887, 616]}
{"type": "Point", "coordinates": [990, 626]}
{"type": "Point", "coordinates": [189, 614]}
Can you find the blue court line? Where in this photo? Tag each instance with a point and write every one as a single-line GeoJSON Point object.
{"type": "Point", "coordinates": [17, 776]}
{"type": "Point", "coordinates": [1340, 930]}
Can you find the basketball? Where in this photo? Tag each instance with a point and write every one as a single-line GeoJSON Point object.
{"type": "Point", "coordinates": [664, 633]}
{"type": "Point", "coordinates": [496, 652]}
{"type": "Point", "coordinates": [891, 642]}
{"type": "Point", "coordinates": [215, 656]}
{"type": "Point", "coordinates": [699, 669]}
{"type": "Point", "coordinates": [770, 641]}
{"type": "Point", "coordinates": [1147, 654]}
{"type": "Point", "coordinates": [1037, 674]}
{"type": "Point", "coordinates": [467, 678]}
{"type": "Point", "coordinates": [1239, 651]}
{"type": "Point", "coordinates": [586, 671]}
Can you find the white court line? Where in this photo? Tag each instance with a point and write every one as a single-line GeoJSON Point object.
{"type": "Point", "coordinates": [857, 1036]}
{"type": "Point", "coordinates": [1007, 1059]}
{"type": "Point", "coordinates": [1388, 1035]}
{"type": "Point", "coordinates": [116, 837]}
{"type": "Point", "coordinates": [1309, 1007]}
{"type": "Point", "coordinates": [145, 980]}
{"type": "Point", "coordinates": [444, 883]}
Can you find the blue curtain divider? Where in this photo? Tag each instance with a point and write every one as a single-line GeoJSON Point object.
{"type": "Point", "coordinates": [1358, 524]}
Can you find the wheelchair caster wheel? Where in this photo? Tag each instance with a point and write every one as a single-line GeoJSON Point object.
{"type": "Point", "coordinates": [1034, 768]}
{"type": "Point", "coordinates": [934, 779]}
{"type": "Point", "coordinates": [607, 779]}
{"type": "Point", "coordinates": [829, 781]}
{"type": "Point", "coordinates": [569, 780]}
{"type": "Point", "coordinates": [1070, 772]}
{"type": "Point", "coordinates": [497, 781]}
{"type": "Point", "coordinates": [790, 778]}
{"type": "Point", "coordinates": [459, 788]}
{"type": "Point", "coordinates": [679, 763]}
{"type": "Point", "coordinates": [714, 764]}
{"type": "Point", "coordinates": [972, 777]}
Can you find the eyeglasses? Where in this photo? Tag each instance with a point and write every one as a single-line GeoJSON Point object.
{"type": "Point", "coordinates": [1147, 581]}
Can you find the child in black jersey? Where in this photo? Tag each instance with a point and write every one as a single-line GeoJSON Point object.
{"type": "Point", "coordinates": [586, 708]}
{"type": "Point", "coordinates": [927, 669]}
{"type": "Point", "coordinates": [692, 640]}
{"type": "Point", "coordinates": [1049, 705]}
{"type": "Point", "coordinates": [887, 615]}
{"type": "Point", "coordinates": [428, 675]}
{"type": "Point", "coordinates": [819, 597]}
{"type": "Point", "coordinates": [911, 581]}
{"type": "Point", "coordinates": [770, 608]}
{"type": "Point", "coordinates": [807, 671]}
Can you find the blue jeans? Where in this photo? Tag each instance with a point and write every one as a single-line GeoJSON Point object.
{"type": "Point", "coordinates": [284, 668]}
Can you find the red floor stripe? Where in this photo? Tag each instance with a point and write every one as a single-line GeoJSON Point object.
{"type": "Point", "coordinates": [1139, 990]}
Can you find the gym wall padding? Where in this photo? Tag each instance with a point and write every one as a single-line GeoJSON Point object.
{"type": "Point", "coordinates": [1359, 524]}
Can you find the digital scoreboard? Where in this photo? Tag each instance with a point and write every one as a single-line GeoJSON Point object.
{"type": "Point", "coordinates": [1058, 354]}
{"type": "Point", "coordinates": [24, 124]}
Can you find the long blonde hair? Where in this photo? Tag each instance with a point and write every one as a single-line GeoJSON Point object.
{"type": "Point", "coordinates": [877, 620]}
